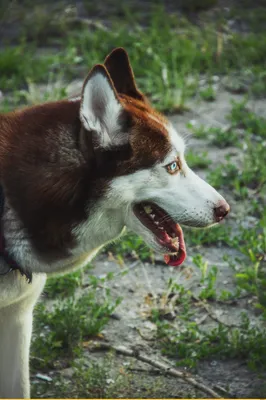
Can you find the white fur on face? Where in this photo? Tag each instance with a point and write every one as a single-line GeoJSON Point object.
{"type": "Point", "coordinates": [187, 198]}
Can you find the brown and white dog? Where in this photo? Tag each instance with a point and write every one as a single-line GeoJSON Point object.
{"type": "Point", "coordinates": [74, 174]}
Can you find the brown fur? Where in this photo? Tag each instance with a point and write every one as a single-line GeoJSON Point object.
{"type": "Point", "coordinates": [44, 174]}
{"type": "Point", "coordinates": [51, 170]}
{"type": "Point", "coordinates": [119, 68]}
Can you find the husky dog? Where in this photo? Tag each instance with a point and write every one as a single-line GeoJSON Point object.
{"type": "Point", "coordinates": [73, 174]}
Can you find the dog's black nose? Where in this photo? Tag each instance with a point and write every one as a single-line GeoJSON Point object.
{"type": "Point", "coordinates": [221, 210]}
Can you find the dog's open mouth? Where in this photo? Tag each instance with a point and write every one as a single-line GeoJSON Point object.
{"type": "Point", "coordinates": [167, 232]}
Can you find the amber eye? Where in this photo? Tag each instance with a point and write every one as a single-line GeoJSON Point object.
{"type": "Point", "coordinates": [173, 167]}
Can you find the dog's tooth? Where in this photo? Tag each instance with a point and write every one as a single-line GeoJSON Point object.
{"type": "Point", "coordinates": [156, 222]}
{"type": "Point", "coordinates": [148, 209]}
{"type": "Point", "coordinates": [175, 241]}
{"type": "Point", "coordinates": [152, 216]}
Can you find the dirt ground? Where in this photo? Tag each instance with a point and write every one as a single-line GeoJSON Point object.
{"type": "Point", "coordinates": [130, 327]}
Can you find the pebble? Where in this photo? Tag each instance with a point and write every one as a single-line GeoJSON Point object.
{"type": "Point", "coordinates": [44, 377]}
{"type": "Point", "coordinates": [116, 316]}
{"type": "Point", "coordinates": [193, 122]}
{"type": "Point", "coordinates": [215, 78]}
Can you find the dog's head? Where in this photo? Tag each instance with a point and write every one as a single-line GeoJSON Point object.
{"type": "Point", "coordinates": [141, 158]}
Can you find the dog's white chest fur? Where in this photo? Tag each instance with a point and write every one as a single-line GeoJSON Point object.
{"type": "Point", "coordinates": [17, 299]}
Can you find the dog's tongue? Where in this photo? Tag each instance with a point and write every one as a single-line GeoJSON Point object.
{"type": "Point", "coordinates": [176, 260]}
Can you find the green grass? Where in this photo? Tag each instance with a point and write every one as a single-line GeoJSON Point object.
{"type": "Point", "coordinates": [246, 181]}
{"type": "Point", "coordinates": [251, 276]}
{"type": "Point", "coordinates": [96, 380]}
{"type": "Point", "coordinates": [64, 286]}
{"type": "Point", "coordinates": [258, 87]}
{"type": "Point", "coordinates": [183, 50]}
{"type": "Point", "coordinates": [47, 25]}
{"type": "Point", "coordinates": [168, 70]}
{"type": "Point", "coordinates": [220, 137]}
{"type": "Point", "coordinates": [60, 331]}
{"type": "Point", "coordinates": [130, 246]}
{"type": "Point", "coordinates": [190, 344]}
{"type": "Point", "coordinates": [198, 160]}
{"type": "Point", "coordinates": [197, 5]}
{"type": "Point", "coordinates": [254, 18]}
{"type": "Point", "coordinates": [169, 62]}
{"type": "Point", "coordinates": [104, 378]}
{"type": "Point", "coordinates": [89, 380]}
{"type": "Point", "coordinates": [225, 138]}
{"type": "Point", "coordinates": [208, 94]}
{"type": "Point", "coordinates": [250, 174]}
{"type": "Point", "coordinates": [242, 117]}
{"type": "Point", "coordinates": [207, 237]}
{"type": "Point", "coordinates": [243, 181]}
{"type": "Point", "coordinates": [20, 64]}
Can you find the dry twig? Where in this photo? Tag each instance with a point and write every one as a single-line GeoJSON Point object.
{"type": "Point", "coordinates": [212, 315]}
{"type": "Point", "coordinates": [97, 346]}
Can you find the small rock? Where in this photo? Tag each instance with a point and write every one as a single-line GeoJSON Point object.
{"type": "Point", "coordinates": [44, 377]}
{"type": "Point", "coordinates": [116, 316]}
{"type": "Point", "coordinates": [170, 316]}
{"type": "Point", "coordinates": [231, 22]}
{"type": "Point", "coordinates": [150, 325]}
{"type": "Point", "coordinates": [215, 78]}
{"type": "Point", "coordinates": [193, 122]}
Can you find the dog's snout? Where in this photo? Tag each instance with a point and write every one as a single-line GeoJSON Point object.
{"type": "Point", "coordinates": [221, 210]}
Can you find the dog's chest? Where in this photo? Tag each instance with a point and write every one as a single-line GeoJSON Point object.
{"type": "Point", "coordinates": [14, 289]}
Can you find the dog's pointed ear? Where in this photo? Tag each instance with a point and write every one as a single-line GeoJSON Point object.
{"type": "Point", "coordinates": [100, 108]}
{"type": "Point", "coordinates": [120, 70]}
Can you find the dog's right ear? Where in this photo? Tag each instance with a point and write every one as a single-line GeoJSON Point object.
{"type": "Point", "coordinates": [100, 107]}
{"type": "Point", "coordinates": [120, 70]}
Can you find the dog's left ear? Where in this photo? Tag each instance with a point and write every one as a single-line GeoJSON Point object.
{"type": "Point", "coordinates": [120, 70]}
{"type": "Point", "coordinates": [100, 108]}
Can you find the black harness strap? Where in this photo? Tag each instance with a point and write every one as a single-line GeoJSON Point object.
{"type": "Point", "coordinates": [12, 265]}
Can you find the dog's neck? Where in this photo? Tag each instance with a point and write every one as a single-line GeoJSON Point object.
{"type": "Point", "coordinates": [47, 211]}
{"type": "Point", "coordinates": [103, 226]}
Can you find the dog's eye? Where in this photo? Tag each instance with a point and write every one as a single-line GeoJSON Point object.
{"type": "Point", "coordinates": [173, 167]}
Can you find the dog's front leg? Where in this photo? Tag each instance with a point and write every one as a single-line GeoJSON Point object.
{"type": "Point", "coordinates": [15, 336]}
